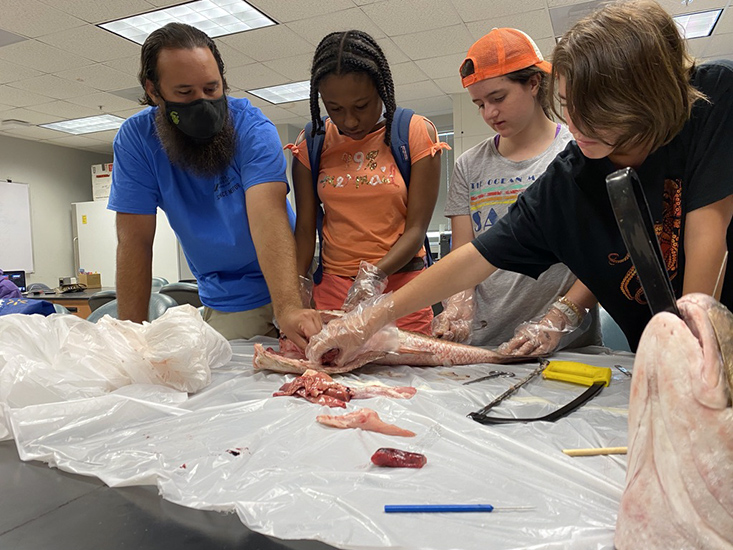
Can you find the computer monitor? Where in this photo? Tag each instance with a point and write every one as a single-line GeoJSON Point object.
{"type": "Point", "coordinates": [18, 277]}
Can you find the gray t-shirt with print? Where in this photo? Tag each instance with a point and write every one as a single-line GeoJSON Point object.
{"type": "Point", "coordinates": [483, 186]}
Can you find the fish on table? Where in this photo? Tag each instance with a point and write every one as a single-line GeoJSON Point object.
{"type": "Point", "coordinates": [679, 481]}
{"type": "Point", "coordinates": [414, 350]}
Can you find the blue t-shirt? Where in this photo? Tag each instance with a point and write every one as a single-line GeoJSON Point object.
{"type": "Point", "coordinates": [207, 214]}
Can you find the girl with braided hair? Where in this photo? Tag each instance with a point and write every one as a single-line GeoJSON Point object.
{"type": "Point", "coordinates": [374, 222]}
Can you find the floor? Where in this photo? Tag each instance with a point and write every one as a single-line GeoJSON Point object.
{"type": "Point", "coordinates": [44, 508]}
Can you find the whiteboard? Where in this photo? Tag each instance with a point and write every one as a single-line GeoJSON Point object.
{"type": "Point", "coordinates": [16, 242]}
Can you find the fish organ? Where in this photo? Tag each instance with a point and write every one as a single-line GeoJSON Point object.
{"type": "Point", "coordinates": [319, 387]}
{"type": "Point", "coordinates": [679, 481]}
{"type": "Point", "coordinates": [396, 458]}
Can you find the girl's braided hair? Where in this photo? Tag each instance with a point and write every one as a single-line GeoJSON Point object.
{"type": "Point", "coordinates": [346, 52]}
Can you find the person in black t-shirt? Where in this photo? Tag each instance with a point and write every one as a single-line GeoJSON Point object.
{"type": "Point", "coordinates": [631, 96]}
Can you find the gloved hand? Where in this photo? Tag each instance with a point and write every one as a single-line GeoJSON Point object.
{"type": "Point", "coordinates": [306, 291]}
{"type": "Point", "coordinates": [369, 282]}
{"type": "Point", "coordinates": [360, 331]}
{"type": "Point", "coordinates": [541, 336]}
{"type": "Point", "coordinates": [454, 322]}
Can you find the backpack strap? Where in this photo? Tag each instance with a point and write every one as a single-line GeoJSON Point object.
{"type": "Point", "coordinates": [315, 146]}
{"type": "Point", "coordinates": [400, 146]}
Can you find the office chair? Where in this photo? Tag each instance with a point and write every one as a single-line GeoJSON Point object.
{"type": "Point", "coordinates": [612, 335]}
{"type": "Point", "coordinates": [100, 298]}
{"type": "Point", "coordinates": [61, 309]}
{"type": "Point", "coordinates": [183, 293]}
{"type": "Point", "coordinates": [159, 303]}
{"type": "Point", "coordinates": [158, 283]}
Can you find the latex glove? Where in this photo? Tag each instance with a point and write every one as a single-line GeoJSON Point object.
{"type": "Point", "coordinates": [455, 321]}
{"type": "Point", "coordinates": [299, 325]}
{"type": "Point", "coordinates": [360, 331]}
{"type": "Point", "coordinates": [306, 291]}
{"type": "Point", "coordinates": [369, 283]}
{"type": "Point", "coordinates": [539, 336]}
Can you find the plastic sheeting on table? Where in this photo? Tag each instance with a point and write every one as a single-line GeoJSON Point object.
{"type": "Point", "coordinates": [233, 447]}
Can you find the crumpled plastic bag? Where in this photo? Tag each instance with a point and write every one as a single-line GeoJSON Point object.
{"type": "Point", "coordinates": [63, 357]}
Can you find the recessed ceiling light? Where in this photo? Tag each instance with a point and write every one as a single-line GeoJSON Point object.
{"type": "Point", "coordinates": [214, 17]}
{"type": "Point", "coordinates": [284, 93]}
{"type": "Point", "coordinates": [86, 125]}
{"type": "Point", "coordinates": [697, 25]}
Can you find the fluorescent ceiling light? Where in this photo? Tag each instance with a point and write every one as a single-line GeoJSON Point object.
{"type": "Point", "coordinates": [214, 17]}
{"type": "Point", "coordinates": [697, 25]}
{"type": "Point", "coordinates": [86, 125]}
{"type": "Point", "coordinates": [285, 93]}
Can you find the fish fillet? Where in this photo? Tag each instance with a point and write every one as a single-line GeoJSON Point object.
{"type": "Point", "coordinates": [366, 419]}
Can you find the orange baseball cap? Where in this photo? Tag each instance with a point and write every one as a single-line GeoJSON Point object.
{"type": "Point", "coordinates": [501, 52]}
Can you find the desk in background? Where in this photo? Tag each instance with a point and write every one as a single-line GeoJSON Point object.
{"type": "Point", "coordinates": [78, 300]}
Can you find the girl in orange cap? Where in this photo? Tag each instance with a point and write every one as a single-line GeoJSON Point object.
{"type": "Point", "coordinates": [508, 81]}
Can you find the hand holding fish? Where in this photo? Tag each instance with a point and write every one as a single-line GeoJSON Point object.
{"type": "Point", "coordinates": [454, 322]}
{"type": "Point", "coordinates": [541, 336]}
{"type": "Point", "coordinates": [357, 332]}
{"type": "Point", "coordinates": [369, 283]}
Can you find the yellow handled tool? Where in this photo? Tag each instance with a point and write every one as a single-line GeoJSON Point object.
{"type": "Point", "coordinates": [577, 373]}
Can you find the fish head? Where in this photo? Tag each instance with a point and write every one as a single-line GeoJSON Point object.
{"type": "Point", "coordinates": [711, 323]}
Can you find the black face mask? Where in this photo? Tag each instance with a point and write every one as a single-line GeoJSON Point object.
{"type": "Point", "coordinates": [201, 119]}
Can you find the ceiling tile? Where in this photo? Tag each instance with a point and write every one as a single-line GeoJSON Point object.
{"type": "Point", "coordinates": [698, 46]}
{"type": "Point", "coordinates": [73, 141]}
{"type": "Point", "coordinates": [92, 43]}
{"type": "Point", "coordinates": [725, 23]}
{"type": "Point", "coordinates": [418, 90]}
{"type": "Point", "coordinates": [267, 43]}
{"type": "Point", "coordinates": [563, 17]}
{"type": "Point", "coordinates": [423, 45]}
{"type": "Point", "coordinates": [34, 132]}
{"type": "Point", "coordinates": [20, 98]}
{"type": "Point", "coordinates": [442, 67]}
{"type": "Point", "coordinates": [535, 23]}
{"type": "Point", "coordinates": [52, 86]}
{"type": "Point", "coordinates": [32, 18]}
{"type": "Point", "coordinates": [105, 148]}
{"type": "Point", "coordinates": [230, 56]}
{"type": "Point", "coordinates": [391, 51]}
{"type": "Point", "coordinates": [42, 57]}
{"type": "Point", "coordinates": [450, 85]}
{"type": "Point", "coordinates": [64, 110]}
{"type": "Point", "coordinates": [127, 113]}
{"type": "Point", "coordinates": [128, 65]}
{"type": "Point", "coordinates": [99, 11]}
{"type": "Point", "coordinates": [430, 106]}
{"type": "Point", "coordinates": [407, 73]}
{"type": "Point", "coordinates": [104, 102]}
{"type": "Point", "coordinates": [676, 7]}
{"type": "Point", "coordinates": [100, 77]}
{"type": "Point", "coordinates": [33, 117]}
{"type": "Point", "coordinates": [296, 68]}
{"type": "Point", "coordinates": [10, 72]}
{"type": "Point", "coordinates": [720, 47]}
{"type": "Point", "coordinates": [7, 38]}
{"type": "Point", "coordinates": [472, 10]}
{"type": "Point", "coordinates": [546, 46]}
{"type": "Point", "coordinates": [251, 77]}
{"type": "Point", "coordinates": [315, 29]}
{"type": "Point", "coordinates": [396, 17]}
{"type": "Point", "coordinates": [556, 3]}
{"type": "Point", "coordinates": [283, 12]}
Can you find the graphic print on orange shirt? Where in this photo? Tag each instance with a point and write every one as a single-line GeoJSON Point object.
{"type": "Point", "coordinates": [668, 235]}
{"type": "Point", "coordinates": [361, 162]}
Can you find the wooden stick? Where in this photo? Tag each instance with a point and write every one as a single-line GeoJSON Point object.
{"type": "Point", "coordinates": [718, 286]}
{"type": "Point", "coordinates": [596, 451]}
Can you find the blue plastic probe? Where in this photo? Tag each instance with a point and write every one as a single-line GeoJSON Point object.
{"type": "Point", "coordinates": [417, 508]}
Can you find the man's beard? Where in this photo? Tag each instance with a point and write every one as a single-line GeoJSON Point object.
{"type": "Point", "coordinates": [203, 159]}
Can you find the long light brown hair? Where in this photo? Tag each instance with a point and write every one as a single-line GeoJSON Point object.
{"type": "Point", "coordinates": [627, 71]}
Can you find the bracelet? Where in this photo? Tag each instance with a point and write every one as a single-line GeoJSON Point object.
{"type": "Point", "coordinates": [575, 313]}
